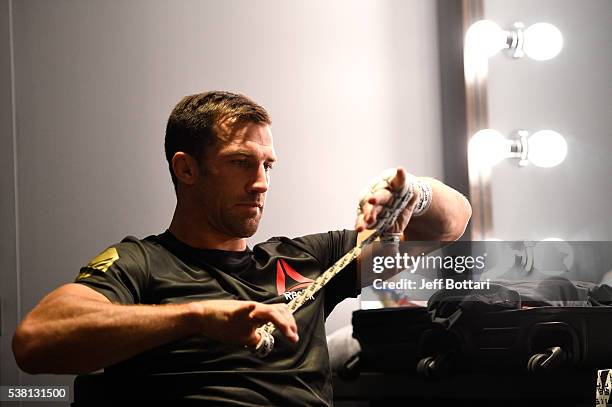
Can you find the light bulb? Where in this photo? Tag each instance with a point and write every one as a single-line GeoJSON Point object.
{"type": "Point", "coordinates": [486, 38]}
{"type": "Point", "coordinates": [488, 147]}
{"type": "Point", "coordinates": [546, 148]}
{"type": "Point", "coordinates": [543, 41]}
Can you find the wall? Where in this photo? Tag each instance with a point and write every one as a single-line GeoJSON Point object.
{"type": "Point", "coordinates": [352, 87]}
{"type": "Point", "coordinates": [570, 94]}
{"type": "Point", "coordinates": [9, 266]}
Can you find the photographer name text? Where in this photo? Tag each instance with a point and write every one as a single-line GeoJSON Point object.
{"type": "Point", "coordinates": [425, 284]}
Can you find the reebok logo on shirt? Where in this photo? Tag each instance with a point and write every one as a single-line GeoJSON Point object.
{"type": "Point", "coordinates": [284, 270]}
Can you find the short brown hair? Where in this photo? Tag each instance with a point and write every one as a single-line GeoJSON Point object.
{"type": "Point", "coordinates": [191, 125]}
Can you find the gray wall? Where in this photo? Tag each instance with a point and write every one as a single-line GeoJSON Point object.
{"type": "Point", "coordinates": [571, 94]}
{"type": "Point", "coordinates": [352, 87]}
{"type": "Point", "coordinates": [9, 292]}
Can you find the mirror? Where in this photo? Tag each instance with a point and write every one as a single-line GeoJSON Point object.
{"type": "Point", "coordinates": [569, 94]}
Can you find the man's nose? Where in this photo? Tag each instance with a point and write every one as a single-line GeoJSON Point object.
{"type": "Point", "coordinates": [261, 181]}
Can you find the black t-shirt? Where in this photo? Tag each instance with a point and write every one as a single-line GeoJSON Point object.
{"type": "Point", "coordinates": [161, 269]}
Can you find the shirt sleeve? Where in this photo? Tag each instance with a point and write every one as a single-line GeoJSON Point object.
{"type": "Point", "coordinates": [327, 248]}
{"type": "Point", "coordinates": [120, 273]}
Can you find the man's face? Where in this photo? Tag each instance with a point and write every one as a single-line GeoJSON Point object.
{"type": "Point", "coordinates": [236, 176]}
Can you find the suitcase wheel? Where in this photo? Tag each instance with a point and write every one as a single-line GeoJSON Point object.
{"type": "Point", "coordinates": [432, 366]}
{"type": "Point", "coordinates": [553, 357]}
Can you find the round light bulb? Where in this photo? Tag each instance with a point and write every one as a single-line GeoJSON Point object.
{"type": "Point", "coordinates": [543, 41]}
{"type": "Point", "coordinates": [486, 38]}
{"type": "Point", "coordinates": [546, 148]}
{"type": "Point", "coordinates": [488, 147]}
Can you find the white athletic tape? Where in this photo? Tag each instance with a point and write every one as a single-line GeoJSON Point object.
{"type": "Point", "coordinates": [386, 218]}
{"type": "Point", "coordinates": [265, 344]}
{"type": "Point", "coordinates": [391, 238]}
{"type": "Point", "coordinates": [604, 388]}
{"type": "Point", "coordinates": [425, 195]}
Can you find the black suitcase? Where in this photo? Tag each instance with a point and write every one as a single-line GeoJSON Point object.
{"type": "Point", "coordinates": [409, 339]}
{"type": "Point", "coordinates": [547, 356]}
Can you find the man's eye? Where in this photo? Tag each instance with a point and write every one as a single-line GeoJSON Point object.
{"type": "Point", "coordinates": [268, 166]}
{"type": "Point", "coordinates": [241, 163]}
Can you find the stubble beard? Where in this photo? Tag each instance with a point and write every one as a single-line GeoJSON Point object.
{"type": "Point", "coordinates": [242, 226]}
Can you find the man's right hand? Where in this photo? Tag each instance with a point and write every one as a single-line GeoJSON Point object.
{"type": "Point", "coordinates": [233, 321]}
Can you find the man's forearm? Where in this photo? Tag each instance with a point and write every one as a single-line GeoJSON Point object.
{"type": "Point", "coordinates": [446, 218]}
{"type": "Point", "coordinates": [72, 334]}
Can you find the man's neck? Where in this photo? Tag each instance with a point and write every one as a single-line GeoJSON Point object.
{"type": "Point", "coordinates": [196, 233]}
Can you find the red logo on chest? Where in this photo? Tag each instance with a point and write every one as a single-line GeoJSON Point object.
{"type": "Point", "coordinates": [284, 270]}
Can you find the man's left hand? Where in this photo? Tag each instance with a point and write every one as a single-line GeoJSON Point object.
{"type": "Point", "coordinates": [374, 202]}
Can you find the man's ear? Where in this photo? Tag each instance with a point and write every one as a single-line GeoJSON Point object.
{"type": "Point", "coordinates": [185, 168]}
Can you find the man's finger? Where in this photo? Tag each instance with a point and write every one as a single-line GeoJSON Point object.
{"type": "Point", "coordinates": [373, 214]}
{"type": "Point", "coordinates": [360, 223]}
{"type": "Point", "coordinates": [380, 197]}
{"type": "Point", "coordinates": [398, 181]}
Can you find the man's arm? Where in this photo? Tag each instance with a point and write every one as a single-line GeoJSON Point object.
{"type": "Point", "coordinates": [77, 330]}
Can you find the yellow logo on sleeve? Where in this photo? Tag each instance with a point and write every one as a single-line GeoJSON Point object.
{"type": "Point", "coordinates": [101, 262]}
